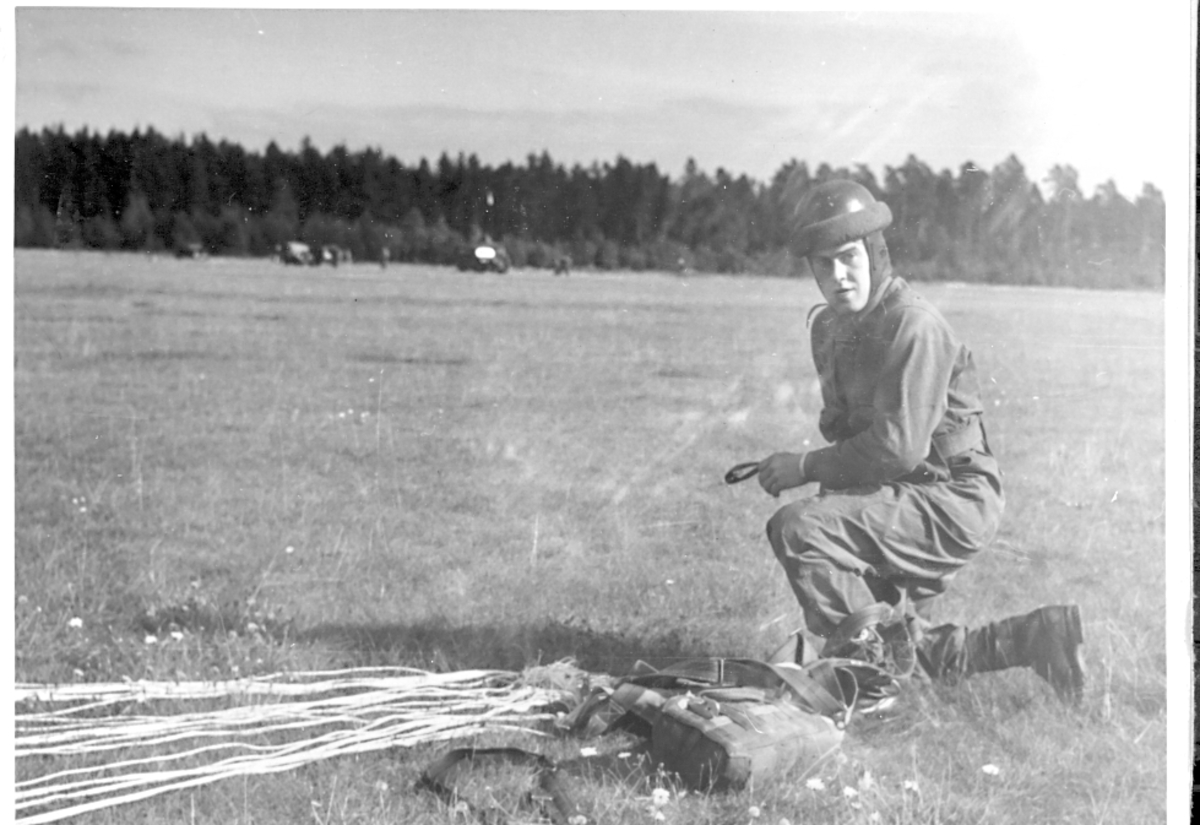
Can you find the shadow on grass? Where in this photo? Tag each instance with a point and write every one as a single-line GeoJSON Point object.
{"type": "Point", "coordinates": [438, 646]}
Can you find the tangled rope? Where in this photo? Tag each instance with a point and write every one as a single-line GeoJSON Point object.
{"type": "Point", "coordinates": [321, 714]}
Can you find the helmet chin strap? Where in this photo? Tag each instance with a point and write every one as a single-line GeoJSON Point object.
{"type": "Point", "coordinates": [881, 269]}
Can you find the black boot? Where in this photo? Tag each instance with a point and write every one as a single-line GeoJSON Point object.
{"type": "Point", "coordinates": [1047, 640]}
{"type": "Point", "coordinates": [880, 635]}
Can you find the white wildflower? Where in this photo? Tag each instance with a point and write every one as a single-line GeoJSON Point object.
{"type": "Point", "coordinates": [75, 623]}
{"type": "Point", "coordinates": [911, 786]}
{"type": "Point", "coordinates": [785, 821]}
{"type": "Point", "coordinates": [660, 797]}
{"type": "Point", "coordinates": [875, 817]}
{"type": "Point", "coordinates": [815, 784]}
{"type": "Point", "coordinates": [588, 751]}
{"type": "Point", "coordinates": [849, 792]}
{"type": "Point", "coordinates": [866, 781]}
{"type": "Point", "coordinates": [177, 635]}
{"type": "Point", "coordinates": [381, 786]}
{"type": "Point", "coordinates": [289, 549]}
{"type": "Point", "coordinates": [755, 812]}
{"type": "Point", "coordinates": [624, 755]}
{"type": "Point", "coordinates": [990, 770]}
{"type": "Point", "coordinates": [151, 639]}
{"type": "Point", "coordinates": [578, 819]}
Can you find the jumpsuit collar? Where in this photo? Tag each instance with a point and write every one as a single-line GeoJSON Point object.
{"type": "Point", "coordinates": [864, 317]}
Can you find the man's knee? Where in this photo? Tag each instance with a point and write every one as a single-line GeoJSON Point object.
{"type": "Point", "coordinates": [792, 530]}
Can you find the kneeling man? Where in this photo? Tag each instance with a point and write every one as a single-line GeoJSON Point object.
{"type": "Point", "coordinates": [910, 491]}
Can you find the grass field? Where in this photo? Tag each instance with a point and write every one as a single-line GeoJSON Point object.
{"type": "Point", "coordinates": [448, 470]}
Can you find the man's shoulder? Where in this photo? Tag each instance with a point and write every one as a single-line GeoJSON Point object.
{"type": "Point", "coordinates": [820, 316]}
{"type": "Point", "coordinates": [904, 312]}
{"type": "Point", "coordinates": [904, 301]}
{"type": "Point", "coordinates": [900, 294]}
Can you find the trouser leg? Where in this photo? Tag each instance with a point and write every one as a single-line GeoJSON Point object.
{"type": "Point", "coordinates": [849, 550]}
{"type": "Point", "coordinates": [845, 552]}
{"type": "Point", "coordinates": [827, 592]}
{"type": "Point", "coordinates": [1048, 640]}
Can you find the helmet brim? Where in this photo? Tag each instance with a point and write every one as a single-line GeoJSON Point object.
{"type": "Point", "coordinates": [840, 229]}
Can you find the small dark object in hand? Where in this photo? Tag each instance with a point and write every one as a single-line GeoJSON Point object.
{"type": "Point", "coordinates": [742, 472]}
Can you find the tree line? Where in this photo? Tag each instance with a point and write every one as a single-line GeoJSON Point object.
{"type": "Point", "coordinates": [146, 192]}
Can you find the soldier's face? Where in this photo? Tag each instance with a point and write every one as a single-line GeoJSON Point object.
{"type": "Point", "coordinates": [843, 274]}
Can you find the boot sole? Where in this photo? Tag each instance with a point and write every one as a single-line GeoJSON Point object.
{"type": "Point", "coordinates": [1071, 689]}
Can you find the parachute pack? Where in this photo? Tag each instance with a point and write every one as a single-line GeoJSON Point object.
{"type": "Point", "coordinates": [724, 723]}
{"type": "Point", "coordinates": [716, 724]}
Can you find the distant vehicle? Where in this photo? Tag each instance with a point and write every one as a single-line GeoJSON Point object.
{"type": "Point", "coordinates": [191, 250]}
{"type": "Point", "coordinates": [333, 254]}
{"type": "Point", "coordinates": [297, 253]}
{"type": "Point", "coordinates": [484, 258]}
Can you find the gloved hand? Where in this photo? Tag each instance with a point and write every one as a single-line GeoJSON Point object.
{"type": "Point", "coordinates": [781, 471]}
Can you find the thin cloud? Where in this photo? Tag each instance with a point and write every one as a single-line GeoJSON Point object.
{"type": "Point", "coordinates": [743, 91]}
{"type": "Point", "coordinates": [63, 91]}
{"type": "Point", "coordinates": [122, 47]}
{"type": "Point", "coordinates": [54, 47]}
{"type": "Point", "coordinates": [667, 134]}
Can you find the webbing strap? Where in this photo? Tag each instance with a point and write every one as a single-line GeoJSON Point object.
{"type": "Point", "coordinates": [819, 694]}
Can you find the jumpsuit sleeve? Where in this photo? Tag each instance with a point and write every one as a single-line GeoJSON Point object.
{"type": "Point", "coordinates": [909, 401]}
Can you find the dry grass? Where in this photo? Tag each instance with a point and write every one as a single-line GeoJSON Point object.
{"type": "Point", "coordinates": [268, 468]}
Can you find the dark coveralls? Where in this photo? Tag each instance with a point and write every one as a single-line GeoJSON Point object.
{"type": "Point", "coordinates": [909, 489]}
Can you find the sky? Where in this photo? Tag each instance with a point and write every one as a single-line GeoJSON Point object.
{"type": "Point", "coordinates": [743, 91]}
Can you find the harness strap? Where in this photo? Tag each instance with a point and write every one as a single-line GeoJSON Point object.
{"type": "Point", "coordinates": [894, 636]}
{"type": "Point", "coordinates": [819, 695]}
{"type": "Point", "coordinates": [857, 622]}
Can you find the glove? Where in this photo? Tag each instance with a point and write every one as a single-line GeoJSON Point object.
{"type": "Point", "coordinates": [781, 471]}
